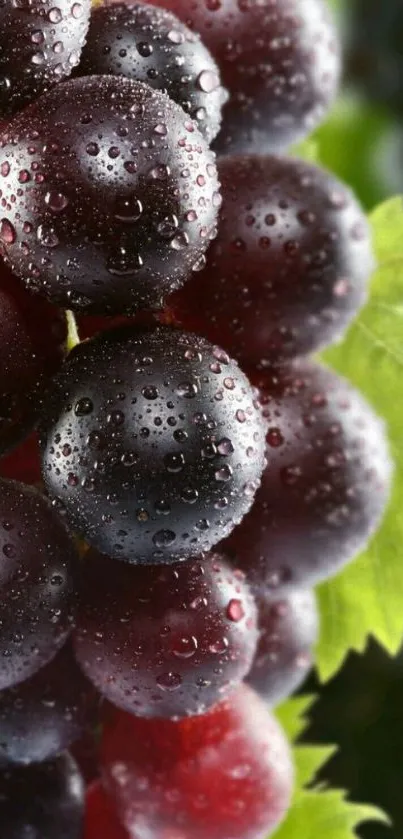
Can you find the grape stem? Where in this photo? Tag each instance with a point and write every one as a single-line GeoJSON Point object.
{"type": "Point", "coordinates": [73, 337]}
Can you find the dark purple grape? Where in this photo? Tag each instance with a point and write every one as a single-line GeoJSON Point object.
{"type": "Point", "coordinates": [33, 338]}
{"type": "Point", "coordinates": [40, 43]}
{"type": "Point", "coordinates": [151, 45]}
{"type": "Point", "coordinates": [37, 558]}
{"type": "Point", "coordinates": [110, 195]}
{"type": "Point", "coordinates": [165, 641]}
{"type": "Point", "coordinates": [325, 486]}
{"type": "Point", "coordinates": [225, 774]}
{"type": "Point", "coordinates": [44, 801]}
{"type": "Point", "coordinates": [288, 630]}
{"type": "Point", "coordinates": [289, 268]}
{"type": "Point", "coordinates": [280, 61]}
{"type": "Point", "coordinates": [46, 714]}
{"type": "Point", "coordinates": [153, 444]}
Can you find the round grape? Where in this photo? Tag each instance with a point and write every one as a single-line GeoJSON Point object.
{"type": "Point", "coordinates": [289, 268]}
{"type": "Point", "coordinates": [151, 45]}
{"type": "Point", "coordinates": [40, 44]}
{"type": "Point", "coordinates": [37, 557]}
{"type": "Point", "coordinates": [44, 801]}
{"type": "Point", "coordinates": [32, 346]}
{"type": "Point", "coordinates": [165, 641]}
{"type": "Point", "coordinates": [227, 773]}
{"type": "Point", "coordinates": [100, 817]}
{"type": "Point", "coordinates": [153, 444]}
{"type": "Point", "coordinates": [44, 715]}
{"type": "Point", "coordinates": [288, 629]}
{"type": "Point", "coordinates": [325, 486]}
{"type": "Point", "coordinates": [110, 195]}
{"type": "Point", "coordinates": [280, 61]}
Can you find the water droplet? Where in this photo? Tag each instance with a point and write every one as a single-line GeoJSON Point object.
{"type": "Point", "coordinates": [208, 81]}
{"type": "Point", "coordinates": [164, 538]}
{"type": "Point", "coordinates": [235, 610]}
{"type": "Point", "coordinates": [169, 681]}
{"type": "Point", "coordinates": [83, 407]}
{"type": "Point", "coordinates": [7, 232]}
{"type": "Point", "coordinates": [184, 647]}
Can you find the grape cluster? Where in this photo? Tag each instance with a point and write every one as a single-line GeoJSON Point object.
{"type": "Point", "coordinates": [174, 485]}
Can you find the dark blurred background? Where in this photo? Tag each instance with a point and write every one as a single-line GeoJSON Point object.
{"type": "Point", "coordinates": [361, 709]}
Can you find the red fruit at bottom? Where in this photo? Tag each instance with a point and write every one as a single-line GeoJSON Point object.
{"type": "Point", "coordinates": [225, 774]}
{"type": "Point", "coordinates": [100, 819]}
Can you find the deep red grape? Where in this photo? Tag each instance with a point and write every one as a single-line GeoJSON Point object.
{"type": "Point", "coordinates": [325, 486]}
{"type": "Point", "coordinates": [227, 773]}
{"type": "Point", "coordinates": [46, 714]}
{"type": "Point", "coordinates": [32, 345]}
{"type": "Point", "coordinates": [36, 582]}
{"type": "Point", "coordinates": [110, 195]}
{"type": "Point", "coordinates": [280, 61]}
{"type": "Point", "coordinates": [151, 45]}
{"type": "Point", "coordinates": [153, 444]}
{"type": "Point", "coordinates": [289, 268]}
{"type": "Point", "coordinates": [101, 821]}
{"type": "Point", "coordinates": [165, 641]}
{"type": "Point", "coordinates": [23, 463]}
{"type": "Point", "coordinates": [44, 801]}
{"type": "Point", "coordinates": [288, 630]}
{"type": "Point", "coordinates": [40, 43]}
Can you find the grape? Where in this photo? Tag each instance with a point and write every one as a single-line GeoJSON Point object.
{"type": "Point", "coordinates": [225, 774]}
{"type": "Point", "coordinates": [288, 630]}
{"type": "Point", "coordinates": [153, 444]}
{"type": "Point", "coordinates": [36, 582]}
{"type": "Point", "coordinates": [23, 463]}
{"type": "Point", "coordinates": [43, 801]}
{"type": "Point", "coordinates": [280, 61]}
{"type": "Point", "coordinates": [100, 819]}
{"type": "Point", "coordinates": [110, 195]}
{"type": "Point", "coordinates": [44, 715]}
{"type": "Point", "coordinates": [326, 483]}
{"type": "Point", "coordinates": [165, 641]}
{"type": "Point", "coordinates": [289, 268]}
{"type": "Point", "coordinates": [40, 43]}
{"type": "Point", "coordinates": [151, 45]}
{"type": "Point", "coordinates": [32, 346]}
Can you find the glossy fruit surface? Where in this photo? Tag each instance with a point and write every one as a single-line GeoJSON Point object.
{"type": "Point", "coordinates": [288, 630]}
{"type": "Point", "coordinates": [151, 45]}
{"type": "Point", "coordinates": [325, 486]}
{"type": "Point", "coordinates": [40, 44]}
{"type": "Point", "coordinates": [37, 558]}
{"type": "Point", "coordinates": [280, 61]}
{"type": "Point", "coordinates": [100, 818]}
{"type": "Point", "coordinates": [116, 195]}
{"type": "Point", "coordinates": [44, 801]}
{"type": "Point", "coordinates": [43, 716]}
{"type": "Point", "coordinates": [153, 444]}
{"type": "Point", "coordinates": [164, 641]}
{"type": "Point", "coordinates": [32, 346]}
{"type": "Point", "coordinates": [227, 773]}
{"type": "Point", "coordinates": [289, 268]}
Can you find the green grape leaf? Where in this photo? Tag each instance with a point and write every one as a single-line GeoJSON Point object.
{"type": "Point", "coordinates": [317, 811]}
{"type": "Point", "coordinates": [367, 597]}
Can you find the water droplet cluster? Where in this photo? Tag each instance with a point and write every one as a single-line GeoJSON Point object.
{"type": "Point", "coordinates": [153, 444]}
{"type": "Point", "coordinates": [151, 45]}
{"type": "Point", "coordinates": [101, 212]}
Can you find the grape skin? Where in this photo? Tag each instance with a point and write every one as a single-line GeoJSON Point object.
{"type": "Point", "coordinates": [290, 266]}
{"type": "Point", "coordinates": [110, 195]}
{"type": "Point", "coordinates": [38, 558]}
{"type": "Point", "coordinates": [151, 45]}
{"type": "Point", "coordinates": [43, 801]}
{"type": "Point", "coordinates": [228, 773]}
{"type": "Point", "coordinates": [326, 484]}
{"type": "Point", "coordinates": [288, 630]}
{"type": "Point", "coordinates": [152, 444]}
{"type": "Point", "coordinates": [40, 44]}
{"type": "Point", "coordinates": [164, 641]}
{"type": "Point", "coordinates": [280, 62]}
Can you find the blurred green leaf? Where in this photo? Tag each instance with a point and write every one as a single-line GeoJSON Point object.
{"type": "Point", "coordinates": [317, 812]}
{"type": "Point", "coordinates": [367, 597]}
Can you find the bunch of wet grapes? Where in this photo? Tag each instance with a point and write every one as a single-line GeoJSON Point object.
{"type": "Point", "coordinates": [174, 485]}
